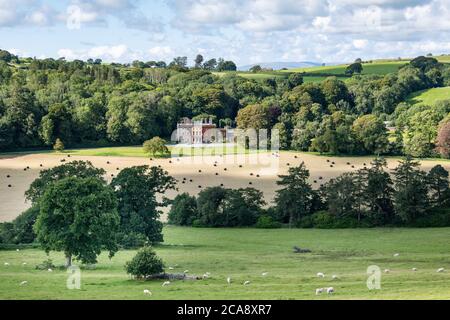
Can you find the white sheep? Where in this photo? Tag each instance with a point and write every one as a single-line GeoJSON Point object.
{"type": "Point", "coordinates": [387, 271]}
{"type": "Point", "coordinates": [147, 292]}
{"type": "Point", "coordinates": [205, 276]}
{"type": "Point", "coordinates": [50, 270]}
{"type": "Point", "coordinates": [171, 268]}
{"type": "Point", "coordinates": [6, 264]}
{"type": "Point", "coordinates": [229, 280]}
{"type": "Point", "coordinates": [264, 274]}
{"type": "Point", "coordinates": [17, 250]}
{"type": "Point", "coordinates": [414, 269]}
{"type": "Point", "coordinates": [24, 264]}
{"type": "Point", "coordinates": [330, 290]}
{"type": "Point", "coordinates": [397, 255]}
{"type": "Point", "coordinates": [320, 275]}
{"type": "Point", "coordinates": [24, 283]}
{"type": "Point", "coordinates": [186, 271]}
{"type": "Point", "coordinates": [165, 284]}
{"type": "Point", "coordinates": [441, 270]}
{"type": "Point", "coordinates": [335, 277]}
{"type": "Point", "coordinates": [246, 283]}
{"type": "Point", "coordinates": [319, 291]}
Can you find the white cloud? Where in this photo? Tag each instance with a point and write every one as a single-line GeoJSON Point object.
{"type": "Point", "coordinates": [161, 53]}
{"type": "Point", "coordinates": [118, 53]}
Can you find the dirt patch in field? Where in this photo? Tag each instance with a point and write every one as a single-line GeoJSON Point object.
{"type": "Point", "coordinates": [194, 174]}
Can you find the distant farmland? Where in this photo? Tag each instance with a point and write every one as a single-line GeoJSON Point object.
{"type": "Point", "coordinates": [430, 96]}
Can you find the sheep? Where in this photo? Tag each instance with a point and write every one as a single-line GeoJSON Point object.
{"type": "Point", "coordinates": [330, 290]}
{"type": "Point", "coordinates": [414, 269]}
{"type": "Point", "coordinates": [441, 270]}
{"type": "Point", "coordinates": [186, 271]}
{"type": "Point", "coordinates": [17, 250]}
{"type": "Point", "coordinates": [205, 276]}
{"type": "Point", "coordinates": [264, 274]}
{"type": "Point", "coordinates": [6, 264]}
{"type": "Point", "coordinates": [387, 271]}
{"type": "Point", "coordinates": [335, 277]}
{"type": "Point", "coordinates": [147, 292]}
{"type": "Point", "coordinates": [396, 255]}
{"type": "Point", "coordinates": [171, 268]}
{"type": "Point", "coordinates": [24, 264]}
{"type": "Point", "coordinates": [165, 284]}
{"type": "Point", "coordinates": [246, 283]}
{"type": "Point", "coordinates": [229, 280]}
{"type": "Point", "coordinates": [50, 270]}
{"type": "Point", "coordinates": [319, 291]}
{"type": "Point", "coordinates": [23, 283]}
{"type": "Point", "coordinates": [320, 275]}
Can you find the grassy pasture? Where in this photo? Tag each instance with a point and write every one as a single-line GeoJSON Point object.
{"type": "Point", "coordinates": [430, 96]}
{"type": "Point", "coordinates": [244, 254]}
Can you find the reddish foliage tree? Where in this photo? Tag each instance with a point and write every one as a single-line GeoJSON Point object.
{"type": "Point", "coordinates": [443, 139]}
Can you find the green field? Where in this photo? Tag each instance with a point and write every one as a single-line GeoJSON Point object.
{"type": "Point", "coordinates": [381, 68]}
{"type": "Point", "coordinates": [430, 96]}
{"type": "Point", "coordinates": [244, 254]}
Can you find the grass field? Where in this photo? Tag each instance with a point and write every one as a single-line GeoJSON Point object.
{"type": "Point", "coordinates": [243, 255]}
{"type": "Point", "coordinates": [430, 96]}
{"type": "Point", "coordinates": [381, 68]}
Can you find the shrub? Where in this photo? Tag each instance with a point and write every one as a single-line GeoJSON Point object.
{"type": "Point", "coordinates": [267, 222]}
{"type": "Point", "coordinates": [45, 265]}
{"type": "Point", "coordinates": [131, 240]}
{"type": "Point", "coordinates": [145, 263]}
{"type": "Point", "coordinates": [183, 211]}
{"type": "Point", "coordinates": [436, 218]}
{"type": "Point", "coordinates": [58, 146]}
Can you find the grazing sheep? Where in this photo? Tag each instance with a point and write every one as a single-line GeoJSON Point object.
{"type": "Point", "coordinates": [414, 269]}
{"type": "Point", "coordinates": [330, 290]}
{"type": "Point", "coordinates": [17, 250]}
{"type": "Point", "coordinates": [246, 283]}
{"type": "Point", "coordinates": [6, 264]}
{"type": "Point", "coordinates": [165, 284]}
{"type": "Point", "coordinates": [320, 275]}
{"type": "Point", "coordinates": [387, 271]}
{"type": "Point", "coordinates": [335, 277]}
{"type": "Point", "coordinates": [24, 264]}
{"type": "Point", "coordinates": [205, 276]}
{"type": "Point", "coordinates": [319, 291]}
{"type": "Point", "coordinates": [50, 270]}
{"type": "Point", "coordinates": [23, 283]}
{"type": "Point", "coordinates": [396, 255]}
{"type": "Point", "coordinates": [264, 274]}
{"type": "Point", "coordinates": [171, 268]}
{"type": "Point", "coordinates": [441, 270]}
{"type": "Point", "coordinates": [229, 280]}
{"type": "Point", "coordinates": [147, 292]}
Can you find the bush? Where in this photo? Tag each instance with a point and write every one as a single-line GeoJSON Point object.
{"type": "Point", "coordinates": [267, 222]}
{"type": "Point", "coordinates": [146, 263]}
{"type": "Point", "coordinates": [58, 146]}
{"type": "Point", "coordinates": [131, 240]}
{"type": "Point", "coordinates": [45, 265]}
{"type": "Point", "coordinates": [183, 211]}
{"type": "Point", "coordinates": [326, 220]}
{"type": "Point", "coordinates": [437, 218]}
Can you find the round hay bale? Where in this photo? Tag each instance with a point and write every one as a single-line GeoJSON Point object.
{"type": "Point", "coordinates": [9, 186]}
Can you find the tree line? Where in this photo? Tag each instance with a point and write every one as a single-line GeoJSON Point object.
{"type": "Point", "coordinates": [369, 197]}
{"type": "Point", "coordinates": [95, 104]}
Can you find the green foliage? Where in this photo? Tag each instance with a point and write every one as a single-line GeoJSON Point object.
{"type": "Point", "coordinates": [136, 190]}
{"type": "Point", "coordinates": [411, 191]}
{"type": "Point", "coordinates": [183, 211]}
{"type": "Point", "coordinates": [156, 146]}
{"type": "Point", "coordinates": [267, 222]}
{"type": "Point", "coordinates": [78, 216]}
{"type": "Point", "coordinates": [58, 146]}
{"type": "Point", "coordinates": [220, 207]}
{"type": "Point", "coordinates": [294, 199]}
{"type": "Point", "coordinates": [144, 264]}
{"type": "Point", "coordinates": [79, 169]}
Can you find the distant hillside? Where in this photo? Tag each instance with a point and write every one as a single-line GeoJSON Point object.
{"type": "Point", "coordinates": [281, 65]}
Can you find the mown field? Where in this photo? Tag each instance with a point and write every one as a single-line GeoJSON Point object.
{"type": "Point", "coordinates": [243, 255]}
{"type": "Point", "coordinates": [430, 96]}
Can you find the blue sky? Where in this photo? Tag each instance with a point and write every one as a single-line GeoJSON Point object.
{"type": "Point", "coordinates": [246, 31]}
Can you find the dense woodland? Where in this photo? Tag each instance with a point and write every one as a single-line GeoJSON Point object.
{"type": "Point", "coordinates": [95, 104]}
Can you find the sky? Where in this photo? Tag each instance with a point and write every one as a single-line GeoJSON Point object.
{"type": "Point", "coordinates": [245, 31]}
